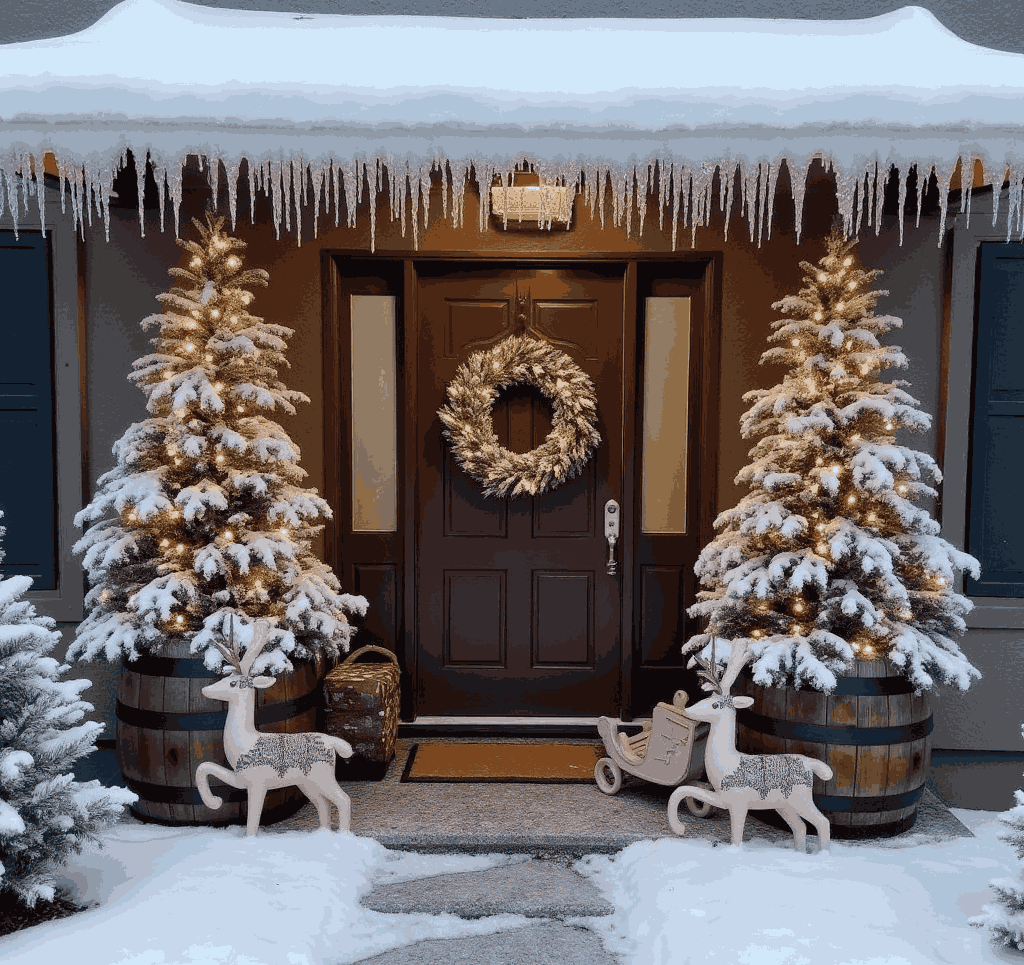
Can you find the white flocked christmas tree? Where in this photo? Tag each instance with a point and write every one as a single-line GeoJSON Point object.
{"type": "Point", "coordinates": [203, 517]}
{"type": "Point", "coordinates": [45, 814]}
{"type": "Point", "coordinates": [1005, 920]}
{"type": "Point", "coordinates": [827, 558]}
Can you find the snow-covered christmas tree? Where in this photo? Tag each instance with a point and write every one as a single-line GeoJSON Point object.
{"type": "Point", "coordinates": [45, 814]}
{"type": "Point", "coordinates": [1005, 921]}
{"type": "Point", "coordinates": [203, 516]}
{"type": "Point", "coordinates": [827, 558]}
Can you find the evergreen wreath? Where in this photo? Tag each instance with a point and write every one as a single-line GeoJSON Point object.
{"type": "Point", "coordinates": [520, 360]}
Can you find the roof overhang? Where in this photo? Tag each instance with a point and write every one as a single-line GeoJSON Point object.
{"type": "Point", "coordinates": [575, 97]}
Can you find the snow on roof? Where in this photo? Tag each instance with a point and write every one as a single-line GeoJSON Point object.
{"type": "Point", "coordinates": [575, 97]}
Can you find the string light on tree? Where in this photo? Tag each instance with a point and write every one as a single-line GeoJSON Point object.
{"type": "Point", "coordinates": [829, 528]}
{"type": "Point", "coordinates": [214, 485]}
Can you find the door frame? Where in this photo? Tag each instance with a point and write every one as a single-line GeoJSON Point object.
{"type": "Point", "coordinates": [381, 565]}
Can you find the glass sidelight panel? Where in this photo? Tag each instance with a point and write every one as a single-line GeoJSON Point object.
{"type": "Point", "coordinates": [666, 414]}
{"type": "Point", "coordinates": [374, 414]}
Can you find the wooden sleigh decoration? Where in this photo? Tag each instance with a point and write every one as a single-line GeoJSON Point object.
{"type": "Point", "coordinates": [668, 750]}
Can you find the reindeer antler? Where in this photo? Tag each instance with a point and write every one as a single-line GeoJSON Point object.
{"type": "Point", "coordinates": [715, 681]}
{"type": "Point", "coordinates": [709, 671]}
{"type": "Point", "coordinates": [260, 638]}
{"type": "Point", "coordinates": [231, 655]}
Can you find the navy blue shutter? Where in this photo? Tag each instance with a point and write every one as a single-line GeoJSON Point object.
{"type": "Point", "coordinates": [996, 529]}
{"type": "Point", "coordinates": [28, 489]}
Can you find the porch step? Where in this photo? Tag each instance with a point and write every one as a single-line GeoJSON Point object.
{"type": "Point", "coordinates": [550, 943]}
{"type": "Point", "coordinates": [517, 727]}
{"type": "Point", "coordinates": [535, 889]}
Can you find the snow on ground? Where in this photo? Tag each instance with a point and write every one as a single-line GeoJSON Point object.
{"type": "Point", "coordinates": [208, 896]}
{"type": "Point", "coordinates": [901, 901]}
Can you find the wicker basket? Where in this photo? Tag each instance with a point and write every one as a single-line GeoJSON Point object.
{"type": "Point", "coordinates": [362, 708]}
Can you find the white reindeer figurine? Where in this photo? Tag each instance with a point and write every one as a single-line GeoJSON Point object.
{"type": "Point", "coordinates": [782, 782]}
{"type": "Point", "coordinates": [263, 762]}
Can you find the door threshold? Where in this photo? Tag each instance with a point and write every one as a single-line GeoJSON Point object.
{"type": "Point", "coordinates": [505, 727]}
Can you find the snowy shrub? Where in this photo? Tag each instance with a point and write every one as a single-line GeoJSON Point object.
{"type": "Point", "coordinates": [45, 815]}
{"type": "Point", "coordinates": [827, 558]}
{"type": "Point", "coordinates": [203, 517]}
{"type": "Point", "coordinates": [1006, 920]}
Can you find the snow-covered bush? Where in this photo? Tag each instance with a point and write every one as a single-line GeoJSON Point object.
{"type": "Point", "coordinates": [45, 815]}
{"type": "Point", "coordinates": [827, 558]}
{"type": "Point", "coordinates": [1006, 920]}
{"type": "Point", "coordinates": [203, 517]}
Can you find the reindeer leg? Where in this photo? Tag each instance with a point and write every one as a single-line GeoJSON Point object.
{"type": "Point", "coordinates": [323, 805]}
{"type": "Point", "coordinates": [796, 823]}
{"type": "Point", "coordinates": [685, 791]}
{"type": "Point", "coordinates": [737, 818]}
{"type": "Point", "coordinates": [203, 773]}
{"type": "Point", "coordinates": [256, 795]}
{"type": "Point", "coordinates": [821, 825]}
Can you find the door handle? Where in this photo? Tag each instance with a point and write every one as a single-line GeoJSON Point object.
{"type": "Point", "coordinates": [611, 532]}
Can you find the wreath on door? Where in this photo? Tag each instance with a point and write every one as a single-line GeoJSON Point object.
{"type": "Point", "coordinates": [468, 425]}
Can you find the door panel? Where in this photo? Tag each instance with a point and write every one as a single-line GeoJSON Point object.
{"type": "Point", "coordinates": [516, 611]}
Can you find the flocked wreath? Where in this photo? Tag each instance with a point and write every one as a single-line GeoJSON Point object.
{"type": "Point", "coordinates": [521, 360]}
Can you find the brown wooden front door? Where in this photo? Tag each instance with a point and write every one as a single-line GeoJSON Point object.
{"type": "Point", "coordinates": [517, 614]}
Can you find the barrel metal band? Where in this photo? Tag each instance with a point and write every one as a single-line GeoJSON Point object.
{"type": "Point", "coordinates": [872, 687]}
{"type": "Point", "coordinates": [166, 794]}
{"type": "Point", "coordinates": [270, 713]}
{"type": "Point", "coordinates": [187, 667]}
{"type": "Point", "coordinates": [891, 802]}
{"type": "Point", "coordinates": [820, 734]}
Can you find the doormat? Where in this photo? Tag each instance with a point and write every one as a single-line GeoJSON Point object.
{"type": "Point", "coordinates": [535, 762]}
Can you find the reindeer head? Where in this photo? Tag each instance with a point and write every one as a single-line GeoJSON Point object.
{"type": "Point", "coordinates": [229, 688]}
{"type": "Point", "coordinates": [721, 702]}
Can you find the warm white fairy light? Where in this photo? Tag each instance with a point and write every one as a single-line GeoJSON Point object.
{"type": "Point", "coordinates": [180, 548]}
{"type": "Point", "coordinates": [209, 357]}
{"type": "Point", "coordinates": [756, 633]}
{"type": "Point", "coordinates": [218, 386]}
{"type": "Point", "coordinates": [798, 607]}
{"type": "Point", "coordinates": [189, 347]}
{"type": "Point", "coordinates": [836, 469]}
{"type": "Point", "coordinates": [840, 306]}
{"type": "Point", "coordinates": [818, 461]}
{"type": "Point", "coordinates": [215, 313]}
{"type": "Point", "coordinates": [180, 619]}
{"type": "Point", "coordinates": [851, 500]}
{"type": "Point", "coordinates": [822, 548]}
{"type": "Point", "coordinates": [902, 487]}
{"type": "Point", "coordinates": [796, 341]}
{"type": "Point", "coordinates": [164, 543]}
{"type": "Point", "coordinates": [797, 630]}
{"type": "Point", "coordinates": [872, 517]}
{"type": "Point", "coordinates": [855, 436]}
{"type": "Point", "coordinates": [228, 534]}
{"type": "Point", "coordinates": [233, 262]}
{"type": "Point", "coordinates": [852, 285]}
{"type": "Point", "coordinates": [239, 408]}
{"type": "Point", "coordinates": [888, 425]}
{"type": "Point", "coordinates": [818, 316]}
{"type": "Point", "coordinates": [822, 276]}
{"type": "Point", "coordinates": [195, 262]}
{"type": "Point", "coordinates": [820, 526]}
{"type": "Point", "coordinates": [847, 262]}
{"type": "Point", "coordinates": [168, 373]}
{"type": "Point", "coordinates": [220, 457]}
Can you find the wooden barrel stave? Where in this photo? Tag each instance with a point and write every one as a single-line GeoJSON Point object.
{"type": "Point", "coordinates": [874, 773]}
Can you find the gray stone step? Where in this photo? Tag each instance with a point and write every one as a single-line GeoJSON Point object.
{"type": "Point", "coordinates": [549, 943]}
{"type": "Point", "coordinates": [536, 889]}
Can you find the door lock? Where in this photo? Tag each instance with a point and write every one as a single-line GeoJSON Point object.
{"type": "Point", "coordinates": [611, 532]}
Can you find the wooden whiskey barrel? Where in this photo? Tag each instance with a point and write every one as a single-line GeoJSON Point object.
{"type": "Point", "coordinates": [166, 727]}
{"type": "Point", "coordinates": [872, 731]}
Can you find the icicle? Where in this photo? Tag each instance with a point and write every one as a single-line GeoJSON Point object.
{"type": "Point", "coordinates": [902, 175]}
{"type": "Point", "coordinates": [140, 186]}
{"type": "Point", "coordinates": [401, 198]}
{"type": "Point", "coordinates": [62, 176]}
{"type": "Point", "coordinates": [274, 193]}
{"type": "Point", "coordinates": [425, 197]}
{"type": "Point", "coordinates": [941, 177]}
{"type": "Point", "coordinates": [749, 189]}
{"type": "Point", "coordinates": [966, 193]}
{"type": "Point", "coordinates": [799, 191]}
{"type": "Point", "coordinates": [997, 190]}
{"type": "Point", "coordinates": [677, 195]}
{"type": "Point", "coordinates": [729, 179]}
{"type": "Point", "coordinates": [844, 195]}
{"type": "Point", "coordinates": [966, 180]}
{"type": "Point", "coordinates": [879, 196]}
{"type": "Point", "coordinates": [648, 187]}
{"type": "Point", "coordinates": [373, 206]}
{"type": "Point", "coordinates": [1016, 212]}
{"type": "Point", "coordinates": [460, 196]}
{"type": "Point", "coordinates": [108, 187]}
{"type": "Point", "coordinates": [174, 184]}
{"type": "Point", "coordinates": [632, 189]}
{"type": "Point", "coordinates": [663, 182]}
{"type": "Point", "coordinates": [76, 205]}
{"type": "Point", "coordinates": [922, 187]}
{"type": "Point", "coordinates": [602, 190]}
{"type": "Point", "coordinates": [5, 189]}
{"type": "Point", "coordinates": [213, 176]}
{"type": "Point", "coordinates": [761, 190]}
{"type": "Point", "coordinates": [772, 175]}
{"type": "Point", "coordinates": [347, 188]}
{"type": "Point", "coordinates": [288, 192]}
